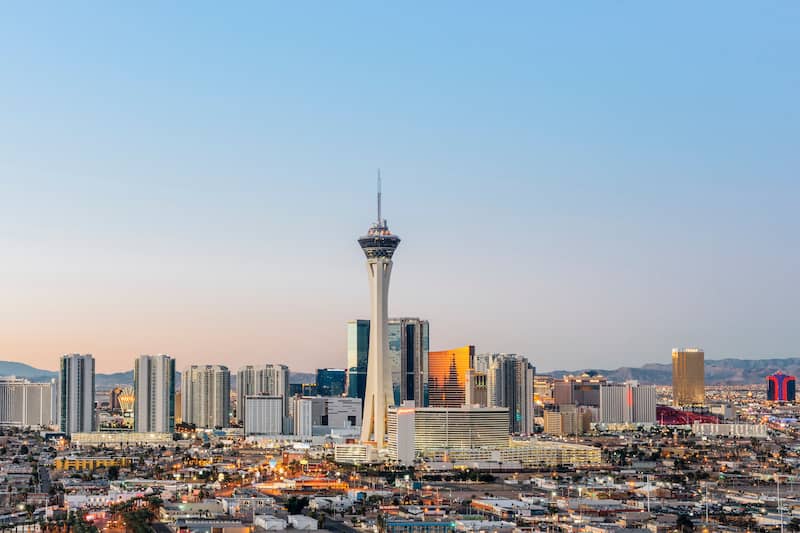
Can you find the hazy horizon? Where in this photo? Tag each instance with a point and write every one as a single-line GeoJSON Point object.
{"type": "Point", "coordinates": [180, 366]}
{"type": "Point", "coordinates": [192, 181]}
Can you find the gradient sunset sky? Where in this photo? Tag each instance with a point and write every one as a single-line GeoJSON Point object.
{"type": "Point", "coordinates": [588, 184]}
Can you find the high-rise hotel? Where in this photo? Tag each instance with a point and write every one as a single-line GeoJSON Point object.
{"type": "Point", "coordinates": [447, 373]}
{"type": "Point", "coordinates": [76, 393]}
{"type": "Point", "coordinates": [206, 396]}
{"type": "Point", "coordinates": [408, 357]}
{"type": "Point", "coordinates": [261, 380]}
{"type": "Point", "coordinates": [688, 376]}
{"type": "Point", "coordinates": [357, 354]}
{"type": "Point", "coordinates": [510, 379]}
{"type": "Point", "coordinates": [27, 404]}
{"type": "Point", "coordinates": [154, 394]}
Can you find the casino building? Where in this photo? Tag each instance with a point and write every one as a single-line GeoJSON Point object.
{"type": "Point", "coordinates": [781, 388]}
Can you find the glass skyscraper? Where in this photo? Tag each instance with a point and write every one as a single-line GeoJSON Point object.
{"type": "Point", "coordinates": [408, 353]}
{"type": "Point", "coordinates": [688, 376]}
{"type": "Point", "coordinates": [447, 373]}
{"type": "Point", "coordinates": [331, 381]}
{"type": "Point", "coordinates": [357, 355]}
{"type": "Point", "coordinates": [408, 349]}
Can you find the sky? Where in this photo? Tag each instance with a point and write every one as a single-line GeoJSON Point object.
{"type": "Point", "coordinates": [588, 184]}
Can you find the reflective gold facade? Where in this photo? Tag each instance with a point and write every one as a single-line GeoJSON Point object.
{"type": "Point", "coordinates": [178, 414]}
{"type": "Point", "coordinates": [688, 376]}
{"type": "Point", "coordinates": [447, 371]}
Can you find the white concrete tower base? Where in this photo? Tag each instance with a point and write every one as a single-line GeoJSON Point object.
{"type": "Point", "coordinates": [378, 395]}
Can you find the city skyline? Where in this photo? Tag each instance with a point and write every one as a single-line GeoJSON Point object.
{"type": "Point", "coordinates": [602, 201]}
{"type": "Point", "coordinates": [592, 316]}
{"type": "Point", "coordinates": [181, 366]}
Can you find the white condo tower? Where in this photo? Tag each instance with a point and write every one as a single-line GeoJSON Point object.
{"type": "Point", "coordinates": [379, 245]}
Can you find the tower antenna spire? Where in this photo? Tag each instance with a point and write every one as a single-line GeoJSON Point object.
{"type": "Point", "coordinates": [380, 220]}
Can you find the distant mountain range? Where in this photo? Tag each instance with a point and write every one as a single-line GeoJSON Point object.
{"type": "Point", "coordinates": [103, 381]}
{"type": "Point", "coordinates": [718, 371]}
{"type": "Point", "coordinates": [21, 370]}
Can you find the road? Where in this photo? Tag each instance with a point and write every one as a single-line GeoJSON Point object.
{"type": "Point", "coordinates": [160, 527]}
{"type": "Point", "coordinates": [335, 525]}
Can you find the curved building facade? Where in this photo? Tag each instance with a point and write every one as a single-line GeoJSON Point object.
{"type": "Point", "coordinates": [447, 374]}
{"type": "Point", "coordinates": [781, 387]}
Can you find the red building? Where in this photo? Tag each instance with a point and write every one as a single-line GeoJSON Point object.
{"type": "Point", "coordinates": [781, 387]}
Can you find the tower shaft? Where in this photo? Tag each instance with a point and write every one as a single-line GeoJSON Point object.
{"type": "Point", "coordinates": [378, 395]}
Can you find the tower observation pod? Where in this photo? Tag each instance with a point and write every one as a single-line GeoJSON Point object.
{"type": "Point", "coordinates": [379, 245]}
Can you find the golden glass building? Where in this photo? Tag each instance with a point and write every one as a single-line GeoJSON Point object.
{"type": "Point", "coordinates": [688, 376]}
{"type": "Point", "coordinates": [447, 372]}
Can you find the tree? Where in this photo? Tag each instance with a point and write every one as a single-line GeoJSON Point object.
{"type": "Point", "coordinates": [113, 472]}
{"type": "Point", "coordinates": [295, 505]}
{"type": "Point", "coordinates": [684, 523]}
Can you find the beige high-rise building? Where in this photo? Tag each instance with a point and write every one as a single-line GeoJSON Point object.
{"type": "Point", "coordinates": [567, 420]}
{"type": "Point", "coordinates": [688, 376]}
{"type": "Point", "coordinates": [475, 388]}
{"type": "Point", "coordinates": [206, 396]}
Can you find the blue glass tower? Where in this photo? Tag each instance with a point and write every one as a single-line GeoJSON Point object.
{"type": "Point", "coordinates": [357, 355]}
{"type": "Point", "coordinates": [331, 381]}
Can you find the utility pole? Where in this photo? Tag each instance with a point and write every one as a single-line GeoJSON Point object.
{"type": "Point", "coordinates": [780, 507]}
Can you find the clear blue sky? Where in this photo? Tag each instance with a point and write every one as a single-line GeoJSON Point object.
{"type": "Point", "coordinates": [589, 184]}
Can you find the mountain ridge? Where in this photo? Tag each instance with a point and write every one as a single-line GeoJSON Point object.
{"type": "Point", "coordinates": [102, 381]}
{"type": "Point", "coordinates": [726, 371]}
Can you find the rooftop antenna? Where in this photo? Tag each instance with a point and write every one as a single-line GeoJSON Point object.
{"type": "Point", "coordinates": [380, 220]}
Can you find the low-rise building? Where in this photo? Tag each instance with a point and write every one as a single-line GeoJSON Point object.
{"type": "Point", "coordinates": [120, 439]}
{"type": "Point", "coordinates": [89, 463]}
{"type": "Point", "coordinates": [355, 454]}
{"type": "Point", "coordinates": [89, 501]}
{"type": "Point", "coordinates": [408, 526]}
{"type": "Point", "coordinates": [527, 455]}
{"type": "Point", "coordinates": [758, 431]}
{"type": "Point", "coordinates": [302, 522]}
{"type": "Point", "coordinates": [269, 522]}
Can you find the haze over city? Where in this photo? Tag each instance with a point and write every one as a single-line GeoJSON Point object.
{"type": "Point", "coordinates": [194, 183]}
